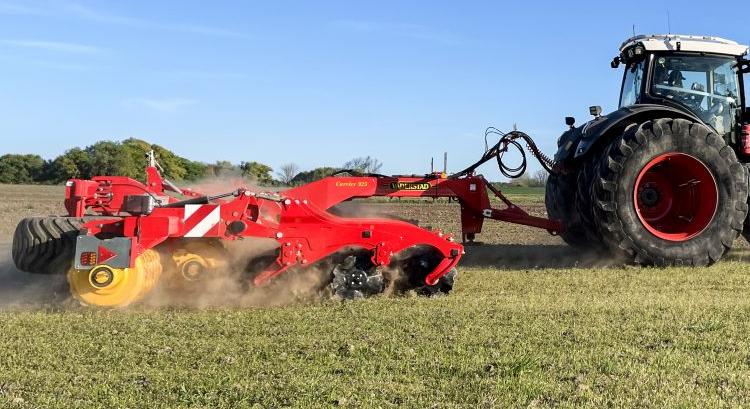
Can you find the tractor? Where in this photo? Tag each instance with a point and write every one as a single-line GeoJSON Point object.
{"type": "Point", "coordinates": [663, 179]}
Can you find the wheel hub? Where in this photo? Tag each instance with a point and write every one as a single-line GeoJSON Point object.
{"type": "Point", "coordinates": [350, 282]}
{"type": "Point", "coordinates": [649, 196]}
{"type": "Point", "coordinates": [101, 277]}
{"type": "Point", "coordinates": [192, 270]}
{"type": "Point", "coordinates": [356, 279]}
{"type": "Point", "coordinates": [676, 196]}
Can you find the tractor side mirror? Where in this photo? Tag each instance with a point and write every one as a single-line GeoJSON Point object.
{"type": "Point", "coordinates": [615, 62]}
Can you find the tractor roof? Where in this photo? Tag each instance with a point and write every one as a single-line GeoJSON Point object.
{"type": "Point", "coordinates": [676, 42]}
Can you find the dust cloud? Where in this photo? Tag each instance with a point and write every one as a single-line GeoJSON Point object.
{"type": "Point", "coordinates": [231, 285]}
{"type": "Point", "coordinates": [19, 289]}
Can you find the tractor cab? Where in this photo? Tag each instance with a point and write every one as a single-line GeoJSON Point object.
{"type": "Point", "coordinates": [702, 76]}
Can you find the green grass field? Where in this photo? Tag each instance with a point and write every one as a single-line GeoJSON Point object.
{"type": "Point", "coordinates": [530, 324]}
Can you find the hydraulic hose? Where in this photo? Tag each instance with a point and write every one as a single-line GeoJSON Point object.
{"type": "Point", "coordinates": [508, 140]}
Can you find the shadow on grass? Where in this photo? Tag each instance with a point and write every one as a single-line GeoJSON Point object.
{"type": "Point", "coordinates": [544, 256]}
{"type": "Point", "coordinates": [738, 253]}
{"type": "Point", "coordinates": [533, 256]}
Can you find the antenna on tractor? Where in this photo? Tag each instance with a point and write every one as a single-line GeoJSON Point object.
{"type": "Point", "coordinates": [445, 162]}
{"type": "Point", "coordinates": [633, 30]}
{"type": "Point", "coordinates": [432, 165]}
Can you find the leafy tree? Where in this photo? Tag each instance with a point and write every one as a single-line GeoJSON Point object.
{"type": "Point", "coordinates": [136, 151]}
{"type": "Point", "coordinates": [258, 171]}
{"type": "Point", "coordinates": [111, 159]}
{"type": "Point", "coordinates": [126, 158]}
{"type": "Point", "coordinates": [74, 163]}
{"type": "Point", "coordinates": [193, 170]}
{"type": "Point", "coordinates": [313, 175]}
{"type": "Point", "coordinates": [21, 168]}
{"type": "Point", "coordinates": [364, 165]}
{"type": "Point", "coordinates": [173, 165]}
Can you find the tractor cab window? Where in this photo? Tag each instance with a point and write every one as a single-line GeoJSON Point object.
{"type": "Point", "coordinates": [707, 86]}
{"type": "Point", "coordinates": [631, 86]}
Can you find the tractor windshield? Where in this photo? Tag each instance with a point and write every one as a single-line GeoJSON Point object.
{"type": "Point", "coordinates": [707, 86]}
{"type": "Point", "coordinates": [631, 86]}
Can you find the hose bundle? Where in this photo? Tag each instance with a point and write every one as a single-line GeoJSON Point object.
{"type": "Point", "coordinates": [508, 140]}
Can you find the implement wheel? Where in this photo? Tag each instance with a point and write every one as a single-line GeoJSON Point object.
{"type": "Point", "coordinates": [670, 192]}
{"type": "Point", "coordinates": [104, 286]}
{"type": "Point", "coordinates": [46, 245]}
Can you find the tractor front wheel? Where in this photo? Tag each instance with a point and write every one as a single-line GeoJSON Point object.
{"type": "Point", "coordinates": [670, 192]}
{"type": "Point", "coordinates": [559, 197]}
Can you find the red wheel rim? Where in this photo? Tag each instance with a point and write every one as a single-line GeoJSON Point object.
{"type": "Point", "coordinates": [676, 196]}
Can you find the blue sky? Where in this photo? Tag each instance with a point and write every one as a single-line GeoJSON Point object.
{"type": "Point", "coordinates": [317, 83]}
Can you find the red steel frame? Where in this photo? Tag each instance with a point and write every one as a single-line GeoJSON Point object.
{"type": "Point", "coordinates": [296, 218]}
{"type": "Point", "coordinates": [471, 192]}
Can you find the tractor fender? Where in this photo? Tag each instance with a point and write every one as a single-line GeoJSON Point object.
{"type": "Point", "coordinates": [575, 143]}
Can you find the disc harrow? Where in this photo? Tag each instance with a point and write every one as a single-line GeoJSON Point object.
{"type": "Point", "coordinates": [146, 232]}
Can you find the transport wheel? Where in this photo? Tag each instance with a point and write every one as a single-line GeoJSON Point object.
{"type": "Point", "coordinates": [670, 192]}
{"type": "Point", "coordinates": [104, 286]}
{"type": "Point", "coordinates": [46, 245]}
{"type": "Point", "coordinates": [559, 198]}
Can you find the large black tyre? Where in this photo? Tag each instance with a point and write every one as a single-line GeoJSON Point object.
{"type": "Point", "coordinates": [746, 227]}
{"type": "Point", "coordinates": [559, 198]}
{"type": "Point", "coordinates": [584, 200]}
{"type": "Point", "coordinates": [681, 147]}
{"type": "Point", "coordinates": [46, 245]}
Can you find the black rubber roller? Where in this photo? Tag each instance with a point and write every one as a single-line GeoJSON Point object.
{"type": "Point", "coordinates": [46, 245]}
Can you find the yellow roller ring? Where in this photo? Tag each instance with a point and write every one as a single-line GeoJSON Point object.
{"type": "Point", "coordinates": [105, 286]}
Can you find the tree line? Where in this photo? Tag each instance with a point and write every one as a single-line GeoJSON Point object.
{"type": "Point", "coordinates": [127, 158]}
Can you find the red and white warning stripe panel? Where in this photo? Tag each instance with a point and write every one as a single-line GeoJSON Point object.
{"type": "Point", "coordinates": [200, 220]}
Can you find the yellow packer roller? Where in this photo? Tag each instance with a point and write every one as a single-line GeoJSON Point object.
{"type": "Point", "coordinates": [105, 286]}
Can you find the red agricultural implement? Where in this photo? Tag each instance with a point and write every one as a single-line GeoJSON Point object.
{"type": "Point", "coordinates": [140, 232]}
{"type": "Point", "coordinates": [662, 180]}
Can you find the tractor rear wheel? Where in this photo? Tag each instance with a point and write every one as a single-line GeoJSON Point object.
{"type": "Point", "coordinates": [670, 192]}
{"type": "Point", "coordinates": [559, 197]}
{"type": "Point", "coordinates": [45, 245]}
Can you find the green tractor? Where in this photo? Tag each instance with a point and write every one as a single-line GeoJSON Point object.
{"type": "Point", "coordinates": [663, 179]}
